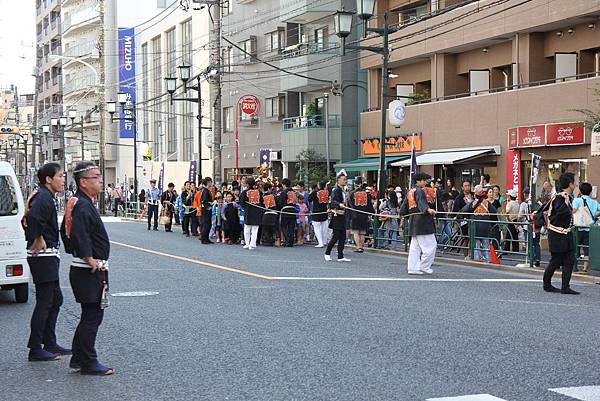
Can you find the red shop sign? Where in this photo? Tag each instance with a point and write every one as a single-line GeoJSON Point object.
{"type": "Point", "coordinates": [513, 170]}
{"type": "Point", "coordinates": [565, 134]}
{"type": "Point", "coordinates": [532, 136]}
{"type": "Point", "coordinates": [249, 105]}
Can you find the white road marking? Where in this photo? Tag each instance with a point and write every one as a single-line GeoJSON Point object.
{"type": "Point", "coordinates": [583, 393]}
{"type": "Point", "coordinates": [474, 397]}
{"type": "Point", "coordinates": [514, 301]}
{"type": "Point", "coordinates": [440, 280]}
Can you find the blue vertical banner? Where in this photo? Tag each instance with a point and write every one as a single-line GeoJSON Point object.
{"type": "Point", "coordinates": [127, 80]}
{"type": "Point", "coordinates": [161, 178]}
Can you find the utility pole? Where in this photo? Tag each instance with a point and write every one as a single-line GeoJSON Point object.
{"type": "Point", "coordinates": [102, 134]}
{"type": "Point", "coordinates": [215, 88]}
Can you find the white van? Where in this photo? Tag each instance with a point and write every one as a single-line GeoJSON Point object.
{"type": "Point", "coordinates": [14, 270]}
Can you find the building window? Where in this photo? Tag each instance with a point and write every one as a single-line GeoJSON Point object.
{"type": "Point", "coordinates": [157, 80]}
{"type": "Point", "coordinates": [272, 107]}
{"type": "Point", "coordinates": [144, 90]}
{"type": "Point", "coordinates": [172, 135]}
{"type": "Point", "coordinates": [186, 42]}
{"type": "Point", "coordinates": [321, 37]}
{"type": "Point", "coordinates": [249, 48]}
{"type": "Point", "coordinates": [163, 3]}
{"type": "Point", "coordinates": [275, 40]}
{"type": "Point", "coordinates": [228, 119]}
{"type": "Point", "coordinates": [227, 7]}
{"type": "Point", "coordinates": [188, 132]}
{"type": "Point", "coordinates": [171, 53]}
{"type": "Point", "coordinates": [227, 58]}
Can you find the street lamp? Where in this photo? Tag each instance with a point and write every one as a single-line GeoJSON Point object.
{"type": "Point", "coordinates": [343, 26]}
{"type": "Point", "coordinates": [46, 132]}
{"type": "Point", "coordinates": [185, 74]}
{"type": "Point", "coordinates": [73, 115]}
{"type": "Point", "coordinates": [130, 115]}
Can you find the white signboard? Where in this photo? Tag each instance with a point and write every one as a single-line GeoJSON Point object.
{"type": "Point", "coordinates": [596, 140]}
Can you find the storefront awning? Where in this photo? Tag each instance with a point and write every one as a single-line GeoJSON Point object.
{"type": "Point", "coordinates": [367, 163]}
{"type": "Point", "coordinates": [448, 156]}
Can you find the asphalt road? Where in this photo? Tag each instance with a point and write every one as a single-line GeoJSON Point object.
{"type": "Point", "coordinates": [283, 324]}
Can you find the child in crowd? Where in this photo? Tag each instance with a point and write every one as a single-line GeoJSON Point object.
{"type": "Point", "coordinates": [217, 218]}
{"type": "Point", "coordinates": [301, 221]}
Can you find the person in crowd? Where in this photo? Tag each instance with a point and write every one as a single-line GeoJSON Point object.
{"type": "Point", "coordinates": [483, 212]}
{"type": "Point", "coordinates": [539, 222]}
{"type": "Point", "coordinates": [231, 219]}
{"type": "Point", "coordinates": [116, 197]}
{"type": "Point", "coordinates": [319, 200]}
{"type": "Point", "coordinates": [484, 180]}
{"type": "Point", "coordinates": [421, 229]}
{"type": "Point", "coordinates": [511, 214]}
{"type": "Point", "coordinates": [152, 200]}
{"type": "Point", "coordinates": [84, 236]}
{"type": "Point", "coordinates": [142, 196]}
{"type": "Point", "coordinates": [167, 200]}
{"type": "Point", "coordinates": [560, 241]}
{"type": "Point", "coordinates": [338, 218]}
{"type": "Point", "coordinates": [399, 195]}
{"type": "Point", "coordinates": [203, 201]}
{"type": "Point", "coordinates": [270, 217]}
{"type": "Point", "coordinates": [589, 207]}
{"type": "Point", "coordinates": [124, 200]}
{"type": "Point", "coordinates": [108, 196]}
{"type": "Point", "coordinates": [463, 199]}
{"type": "Point", "coordinates": [251, 200]}
{"type": "Point", "coordinates": [389, 226]}
{"type": "Point", "coordinates": [525, 211]}
{"type": "Point", "coordinates": [360, 200]}
{"type": "Point", "coordinates": [176, 215]}
{"type": "Point", "coordinates": [548, 189]}
{"type": "Point", "coordinates": [287, 203]}
{"type": "Point", "coordinates": [302, 221]}
{"type": "Point", "coordinates": [497, 199]}
{"type": "Point", "coordinates": [43, 256]}
{"type": "Point", "coordinates": [187, 198]}
{"type": "Point", "coordinates": [194, 226]}
{"type": "Point", "coordinates": [217, 219]}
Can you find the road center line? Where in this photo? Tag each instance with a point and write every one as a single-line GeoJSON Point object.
{"type": "Point", "coordinates": [195, 261]}
{"type": "Point", "coordinates": [515, 301]}
{"type": "Point", "coordinates": [441, 280]}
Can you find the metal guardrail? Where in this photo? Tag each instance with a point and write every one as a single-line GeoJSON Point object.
{"type": "Point", "coordinates": [305, 48]}
{"type": "Point", "coordinates": [314, 121]}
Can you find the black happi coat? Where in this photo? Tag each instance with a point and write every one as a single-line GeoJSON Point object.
{"type": "Point", "coordinates": [252, 212]}
{"type": "Point", "coordinates": [561, 215]}
{"type": "Point", "coordinates": [360, 221]}
{"type": "Point", "coordinates": [419, 224]}
{"type": "Point", "coordinates": [319, 204]}
{"type": "Point", "coordinates": [338, 221]}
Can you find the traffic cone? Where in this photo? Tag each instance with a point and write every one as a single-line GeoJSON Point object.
{"type": "Point", "coordinates": [494, 258]}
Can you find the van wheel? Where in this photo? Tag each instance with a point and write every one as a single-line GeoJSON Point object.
{"type": "Point", "coordinates": [22, 293]}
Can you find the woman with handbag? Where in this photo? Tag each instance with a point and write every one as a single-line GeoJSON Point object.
{"type": "Point", "coordinates": [585, 214]}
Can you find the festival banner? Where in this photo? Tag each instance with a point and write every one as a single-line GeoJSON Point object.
{"type": "Point", "coordinates": [513, 171]}
{"type": "Point", "coordinates": [161, 177]}
{"type": "Point", "coordinates": [192, 171]}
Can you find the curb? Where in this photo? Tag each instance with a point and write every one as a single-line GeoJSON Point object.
{"type": "Point", "coordinates": [591, 279]}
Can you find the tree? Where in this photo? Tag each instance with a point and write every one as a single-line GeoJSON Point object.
{"type": "Point", "coordinates": [592, 117]}
{"type": "Point", "coordinates": [311, 167]}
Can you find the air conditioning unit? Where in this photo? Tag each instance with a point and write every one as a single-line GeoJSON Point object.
{"type": "Point", "coordinates": [274, 156]}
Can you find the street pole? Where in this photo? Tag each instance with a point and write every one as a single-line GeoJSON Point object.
{"type": "Point", "coordinates": [102, 201]}
{"type": "Point", "coordinates": [135, 152]}
{"type": "Point", "coordinates": [200, 130]}
{"type": "Point", "coordinates": [82, 141]}
{"type": "Point", "coordinates": [384, 85]}
{"type": "Point", "coordinates": [215, 90]}
{"type": "Point", "coordinates": [327, 132]}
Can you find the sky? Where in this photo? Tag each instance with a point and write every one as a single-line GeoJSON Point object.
{"type": "Point", "coordinates": [17, 44]}
{"type": "Point", "coordinates": [18, 36]}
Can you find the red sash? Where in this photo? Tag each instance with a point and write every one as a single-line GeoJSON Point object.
{"type": "Point", "coordinates": [34, 193]}
{"type": "Point", "coordinates": [69, 215]}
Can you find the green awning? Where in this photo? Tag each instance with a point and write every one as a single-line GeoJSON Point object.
{"type": "Point", "coordinates": [367, 163]}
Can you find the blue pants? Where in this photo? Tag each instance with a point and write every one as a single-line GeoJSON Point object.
{"type": "Point", "coordinates": [153, 211]}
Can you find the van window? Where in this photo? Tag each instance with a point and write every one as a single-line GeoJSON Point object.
{"type": "Point", "coordinates": [8, 197]}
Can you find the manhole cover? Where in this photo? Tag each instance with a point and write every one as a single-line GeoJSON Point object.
{"type": "Point", "coordinates": [135, 294]}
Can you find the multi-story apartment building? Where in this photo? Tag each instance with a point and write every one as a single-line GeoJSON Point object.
{"type": "Point", "coordinates": [49, 79]}
{"type": "Point", "coordinates": [489, 82]}
{"type": "Point", "coordinates": [170, 128]}
{"type": "Point", "coordinates": [297, 40]}
{"type": "Point", "coordinates": [82, 69]}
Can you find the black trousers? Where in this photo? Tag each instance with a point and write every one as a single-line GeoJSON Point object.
{"type": "Point", "coordinates": [194, 223]}
{"type": "Point", "coordinates": [205, 224]}
{"type": "Point", "coordinates": [84, 341]}
{"type": "Point", "coordinates": [153, 211]}
{"type": "Point", "coordinates": [564, 260]}
{"type": "Point", "coordinates": [268, 235]}
{"type": "Point", "coordinates": [185, 225]}
{"type": "Point", "coordinates": [170, 224]}
{"type": "Point", "coordinates": [288, 226]}
{"type": "Point", "coordinates": [338, 236]}
{"type": "Point", "coordinates": [48, 299]}
{"type": "Point", "coordinates": [514, 235]}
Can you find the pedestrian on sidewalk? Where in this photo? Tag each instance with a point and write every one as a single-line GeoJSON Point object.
{"type": "Point", "coordinates": [167, 200]}
{"type": "Point", "coordinates": [287, 203]}
{"type": "Point", "coordinates": [421, 209]}
{"type": "Point", "coordinates": [231, 219]}
{"type": "Point", "coordinates": [152, 201]}
{"type": "Point", "coordinates": [511, 243]}
{"type": "Point", "coordinates": [589, 209]}
{"type": "Point", "coordinates": [251, 200]}
{"type": "Point", "coordinates": [270, 217]}
{"type": "Point", "coordinates": [203, 201]}
{"type": "Point", "coordinates": [41, 232]}
{"type": "Point", "coordinates": [217, 219]}
{"type": "Point", "coordinates": [338, 218]}
{"type": "Point", "coordinates": [483, 214]}
{"type": "Point", "coordinates": [560, 241]}
{"type": "Point", "coordinates": [460, 202]}
{"type": "Point", "coordinates": [85, 237]}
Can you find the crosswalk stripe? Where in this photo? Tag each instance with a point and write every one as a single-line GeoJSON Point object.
{"type": "Point", "coordinates": [474, 397]}
{"type": "Point", "coordinates": [583, 393]}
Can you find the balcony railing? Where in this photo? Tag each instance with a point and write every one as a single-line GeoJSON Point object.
{"type": "Point", "coordinates": [315, 121]}
{"type": "Point", "coordinates": [302, 49]}
{"type": "Point", "coordinates": [79, 83]}
{"type": "Point", "coordinates": [82, 49]}
{"type": "Point", "coordinates": [498, 89]}
{"type": "Point", "coordinates": [78, 17]}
